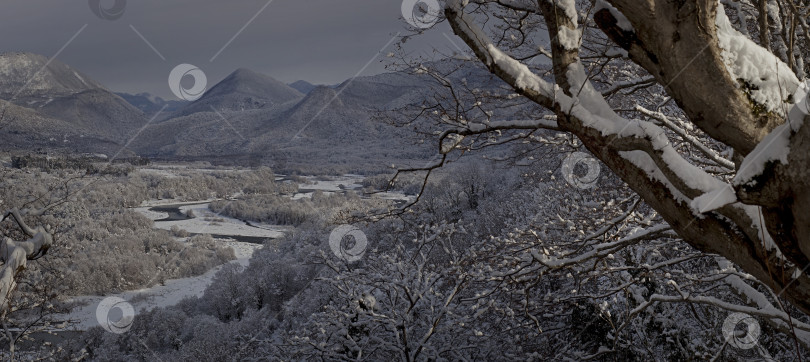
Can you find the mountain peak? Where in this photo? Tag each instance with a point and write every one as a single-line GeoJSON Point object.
{"type": "Point", "coordinates": [247, 73]}
{"type": "Point", "coordinates": [253, 83]}
{"type": "Point", "coordinates": [72, 102]}
{"type": "Point", "coordinates": [244, 89]}
{"type": "Point", "coordinates": [27, 74]}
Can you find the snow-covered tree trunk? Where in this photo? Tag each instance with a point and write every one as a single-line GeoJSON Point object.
{"type": "Point", "coordinates": [734, 90]}
{"type": "Point", "coordinates": [16, 254]}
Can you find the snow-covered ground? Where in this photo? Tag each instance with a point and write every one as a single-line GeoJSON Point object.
{"type": "Point", "coordinates": [166, 202]}
{"type": "Point", "coordinates": [171, 293]}
{"type": "Point", "coordinates": [204, 222]}
{"type": "Point", "coordinates": [207, 222]}
{"type": "Point", "coordinates": [171, 171]}
{"type": "Point", "coordinates": [158, 172]}
{"type": "Point", "coordinates": [394, 195]}
{"type": "Point", "coordinates": [153, 215]}
{"type": "Point", "coordinates": [175, 290]}
{"type": "Point", "coordinates": [349, 182]}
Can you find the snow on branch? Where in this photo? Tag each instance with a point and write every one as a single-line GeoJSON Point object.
{"type": "Point", "coordinates": [15, 255]}
{"type": "Point", "coordinates": [763, 76]}
{"type": "Point", "coordinates": [602, 250]}
{"type": "Point", "coordinates": [668, 123]}
{"type": "Point", "coordinates": [636, 83]}
{"type": "Point", "coordinates": [479, 128]}
{"type": "Point", "coordinates": [621, 21]}
{"type": "Point", "coordinates": [769, 313]}
{"type": "Point", "coordinates": [775, 147]}
{"type": "Point", "coordinates": [584, 111]}
{"type": "Point", "coordinates": [714, 200]}
{"type": "Point", "coordinates": [589, 107]}
{"type": "Point", "coordinates": [613, 222]}
{"type": "Point", "coordinates": [752, 295]}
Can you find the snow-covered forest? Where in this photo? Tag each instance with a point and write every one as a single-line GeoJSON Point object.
{"type": "Point", "coordinates": [559, 180]}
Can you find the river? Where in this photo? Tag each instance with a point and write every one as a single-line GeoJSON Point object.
{"type": "Point", "coordinates": [244, 237]}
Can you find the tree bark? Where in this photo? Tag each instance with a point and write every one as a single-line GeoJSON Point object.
{"type": "Point", "coordinates": [15, 256]}
{"type": "Point", "coordinates": [676, 42]}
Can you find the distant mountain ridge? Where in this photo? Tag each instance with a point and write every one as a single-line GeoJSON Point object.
{"type": "Point", "coordinates": [246, 115]}
{"type": "Point", "coordinates": [243, 90]}
{"type": "Point", "coordinates": [54, 90]}
{"type": "Point", "coordinates": [302, 86]}
{"type": "Point", "coordinates": [150, 104]}
{"type": "Point", "coordinates": [30, 75]}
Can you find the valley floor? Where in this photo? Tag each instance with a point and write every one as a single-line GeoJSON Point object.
{"type": "Point", "coordinates": [196, 218]}
{"type": "Point", "coordinates": [171, 293]}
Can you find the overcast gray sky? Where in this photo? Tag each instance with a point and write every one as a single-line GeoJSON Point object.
{"type": "Point", "coordinates": [321, 41]}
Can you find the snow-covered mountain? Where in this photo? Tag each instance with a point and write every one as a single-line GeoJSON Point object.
{"type": "Point", "coordinates": [151, 104]}
{"type": "Point", "coordinates": [54, 90]}
{"type": "Point", "coordinates": [328, 124]}
{"type": "Point", "coordinates": [302, 86]}
{"type": "Point", "coordinates": [247, 115]}
{"type": "Point", "coordinates": [28, 130]}
{"type": "Point", "coordinates": [243, 90]}
{"type": "Point", "coordinates": [26, 75]}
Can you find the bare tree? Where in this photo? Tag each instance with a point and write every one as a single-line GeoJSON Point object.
{"type": "Point", "coordinates": [738, 187]}
{"type": "Point", "coordinates": [15, 256]}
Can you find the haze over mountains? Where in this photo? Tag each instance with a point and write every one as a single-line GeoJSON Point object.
{"type": "Point", "coordinates": [248, 116]}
